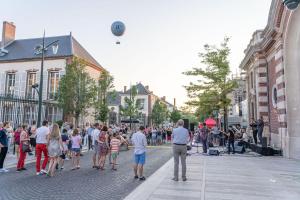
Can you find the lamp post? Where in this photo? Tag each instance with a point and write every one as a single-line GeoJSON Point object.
{"type": "Point", "coordinates": [41, 49]}
{"type": "Point", "coordinates": [291, 4]}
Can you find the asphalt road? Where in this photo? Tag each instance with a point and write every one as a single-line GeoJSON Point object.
{"type": "Point", "coordinates": [85, 183]}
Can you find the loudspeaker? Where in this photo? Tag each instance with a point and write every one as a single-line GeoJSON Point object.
{"type": "Point", "coordinates": [213, 152]}
{"type": "Point", "coordinates": [192, 127]}
{"type": "Point", "coordinates": [264, 142]}
{"type": "Point", "coordinates": [186, 123]}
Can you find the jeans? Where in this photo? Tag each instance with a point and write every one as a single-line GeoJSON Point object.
{"type": "Point", "coordinates": [204, 145]}
{"type": "Point", "coordinates": [255, 136]}
{"type": "Point", "coordinates": [2, 156]}
{"type": "Point", "coordinates": [90, 141]}
{"type": "Point", "coordinates": [39, 149]}
{"type": "Point", "coordinates": [179, 151]}
{"type": "Point", "coordinates": [231, 142]}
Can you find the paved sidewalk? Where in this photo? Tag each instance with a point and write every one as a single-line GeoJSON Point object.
{"type": "Point", "coordinates": [233, 177]}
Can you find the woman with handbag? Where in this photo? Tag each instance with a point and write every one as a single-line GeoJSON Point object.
{"type": "Point", "coordinates": [24, 148]}
{"type": "Point", "coordinates": [103, 146]}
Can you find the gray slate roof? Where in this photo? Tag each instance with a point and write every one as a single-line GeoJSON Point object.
{"type": "Point", "coordinates": [68, 46]}
{"type": "Point", "coordinates": [141, 89]}
{"type": "Point", "coordinates": [114, 98]}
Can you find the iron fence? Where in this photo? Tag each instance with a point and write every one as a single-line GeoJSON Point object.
{"type": "Point", "coordinates": [20, 110]}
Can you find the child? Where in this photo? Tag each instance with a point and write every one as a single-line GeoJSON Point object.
{"type": "Point", "coordinates": [114, 148]}
{"type": "Point", "coordinates": [76, 142]}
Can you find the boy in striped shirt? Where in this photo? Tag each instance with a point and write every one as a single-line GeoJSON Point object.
{"type": "Point", "coordinates": [114, 148]}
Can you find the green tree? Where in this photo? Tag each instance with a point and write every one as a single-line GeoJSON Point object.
{"type": "Point", "coordinates": [105, 84]}
{"type": "Point", "coordinates": [211, 90]}
{"type": "Point", "coordinates": [76, 90]}
{"type": "Point", "coordinates": [130, 109]}
{"type": "Point", "coordinates": [175, 115]}
{"type": "Point", "coordinates": [159, 113]}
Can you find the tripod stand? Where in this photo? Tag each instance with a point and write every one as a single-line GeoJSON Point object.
{"type": "Point", "coordinates": [197, 142]}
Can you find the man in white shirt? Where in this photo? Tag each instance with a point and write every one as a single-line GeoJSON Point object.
{"type": "Point", "coordinates": [41, 146]}
{"type": "Point", "coordinates": [95, 135]}
{"type": "Point", "coordinates": [140, 142]}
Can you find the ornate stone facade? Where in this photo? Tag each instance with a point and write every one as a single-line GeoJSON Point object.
{"type": "Point", "coordinates": [272, 66]}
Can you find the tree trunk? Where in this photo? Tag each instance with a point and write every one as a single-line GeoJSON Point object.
{"type": "Point", "coordinates": [225, 119]}
{"type": "Point", "coordinates": [76, 120]}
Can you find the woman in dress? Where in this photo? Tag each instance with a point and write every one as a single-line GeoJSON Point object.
{"type": "Point", "coordinates": [54, 148]}
{"type": "Point", "coordinates": [103, 146]}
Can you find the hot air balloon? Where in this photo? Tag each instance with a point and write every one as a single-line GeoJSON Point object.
{"type": "Point", "coordinates": [118, 29]}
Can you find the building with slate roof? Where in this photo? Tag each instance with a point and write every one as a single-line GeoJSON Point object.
{"type": "Point", "coordinates": [146, 99]}
{"type": "Point", "coordinates": [20, 69]}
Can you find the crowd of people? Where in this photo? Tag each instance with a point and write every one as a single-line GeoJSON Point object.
{"type": "Point", "coordinates": [57, 144]}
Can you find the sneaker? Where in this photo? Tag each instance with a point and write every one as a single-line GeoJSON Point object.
{"type": "Point", "coordinates": [67, 159]}
{"type": "Point", "coordinates": [184, 179]}
{"type": "Point", "coordinates": [175, 179]}
{"type": "Point", "coordinates": [23, 168]}
{"type": "Point", "coordinates": [136, 177]}
{"type": "Point", "coordinates": [5, 170]}
{"type": "Point", "coordinates": [142, 178]}
{"type": "Point", "coordinates": [39, 173]}
{"type": "Point", "coordinates": [44, 171]}
{"type": "Point", "coordinates": [19, 170]}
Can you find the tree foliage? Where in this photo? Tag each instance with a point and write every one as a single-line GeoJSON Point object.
{"type": "Point", "coordinates": [76, 90]}
{"type": "Point", "coordinates": [159, 113]}
{"type": "Point", "coordinates": [130, 109]}
{"type": "Point", "coordinates": [175, 115]}
{"type": "Point", "coordinates": [105, 84]}
{"type": "Point", "coordinates": [210, 92]}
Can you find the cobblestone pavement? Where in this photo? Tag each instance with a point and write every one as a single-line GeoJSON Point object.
{"type": "Point", "coordinates": [85, 183]}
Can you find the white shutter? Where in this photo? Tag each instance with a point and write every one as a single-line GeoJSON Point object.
{"type": "Point", "coordinates": [2, 83]}
{"type": "Point", "coordinates": [17, 84]}
{"type": "Point", "coordinates": [38, 82]}
{"type": "Point", "coordinates": [23, 83]}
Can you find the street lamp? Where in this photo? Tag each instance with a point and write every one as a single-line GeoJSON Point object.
{"type": "Point", "coordinates": [41, 49]}
{"type": "Point", "coordinates": [291, 4]}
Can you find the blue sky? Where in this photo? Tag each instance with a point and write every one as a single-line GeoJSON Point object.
{"type": "Point", "coordinates": [162, 38]}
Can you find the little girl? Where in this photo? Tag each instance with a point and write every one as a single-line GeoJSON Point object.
{"type": "Point", "coordinates": [76, 142]}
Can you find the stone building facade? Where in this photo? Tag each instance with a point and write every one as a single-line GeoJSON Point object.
{"type": "Point", "coordinates": [271, 63]}
{"type": "Point", "coordinates": [20, 69]}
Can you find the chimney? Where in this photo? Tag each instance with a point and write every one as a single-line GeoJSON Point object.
{"type": "Point", "coordinates": [125, 89]}
{"type": "Point", "coordinates": [147, 87]}
{"type": "Point", "coordinates": [8, 33]}
{"type": "Point", "coordinates": [174, 102]}
{"type": "Point", "coordinates": [163, 98]}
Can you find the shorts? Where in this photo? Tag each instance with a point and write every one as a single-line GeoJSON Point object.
{"type": "Point", "coordinates": [76, 150]}
{"type": "Point", "coordinates": [96, 149]}
{"type": "Point", "coordinates": [140, 159]}
{"type": "Point", "coordinates": [114, 155]}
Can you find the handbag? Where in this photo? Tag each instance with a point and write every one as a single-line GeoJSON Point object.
{"type": "Point", "coordinates": [26, 148]}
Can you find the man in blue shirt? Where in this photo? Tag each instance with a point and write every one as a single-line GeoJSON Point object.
{"type": "Point", "coordinates": [180, 138]}
{"type": "Point", "coordinates": [140, 142]}
{"type": "Point", "coordinates": [3, 145]}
